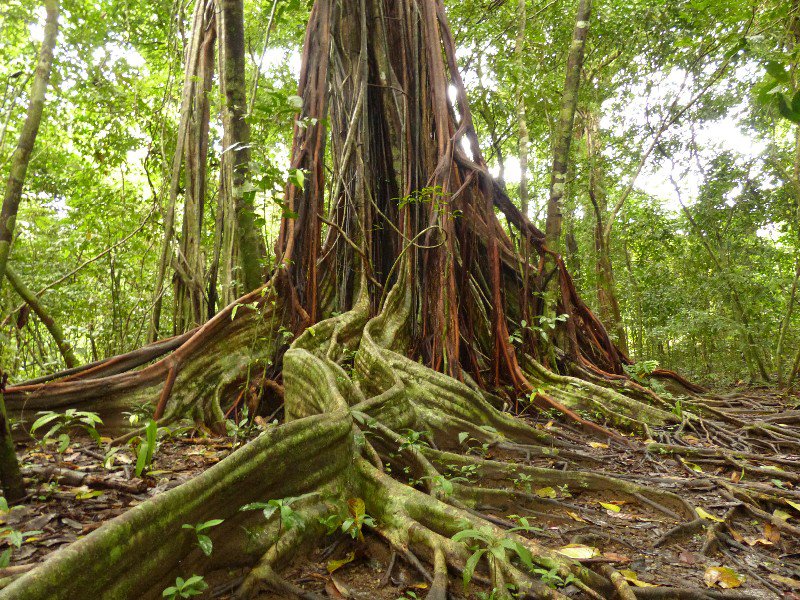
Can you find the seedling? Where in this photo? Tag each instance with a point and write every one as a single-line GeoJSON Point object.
{"type": "Point", "coordinates": [287, 517]}
{"type": "Point", "coordinates": [194, 586]}
{"type": "Point", "coordinates": [62, 423]}
{"type": "Point", "coordinates": [203, 541]}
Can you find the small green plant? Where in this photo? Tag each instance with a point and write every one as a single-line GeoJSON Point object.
{"type": "Point", "coordinates": [522, 524]}
{"type": "Point", "coordinates": [551, 578]}
{"type": "Point", "coordinates": [641, 371]}
{"type": "Point", "coordinates": [523, 482]}
{"type": "Point", "coordinates": [14, 537]}
{"type": "Point", "coordinates": [413, 440]}
{"type": "Point", "coordinates": [194, 586]}
{"type": "Point", "coordinates": [203, 541]}
{"type": "Point", "coordinates": [468, 472]}
{"type": "Point", "coordinates": [353, 523]}
{"type": "Point", "coordinates": [287, 517]}
{"type": "Point", "coordinates": [61, 423]}
{"type": "Point", "coordinates": [146, 448]}
{"type": "Point", "coordinates": [443, 483]}
{"type": "Point", "coordinates": [495, 549]}
{"type": "Point", "coordinates": [357, 519]}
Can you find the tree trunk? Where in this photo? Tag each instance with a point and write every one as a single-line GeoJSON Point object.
{"type": "Point", "coordinates": [190, 295]}
{"type": "Point", "coordinates": [236, 140]}
{"type": "Point", "coordinates": [522, 122]}
{"type": "Point", "coordinates": [9, 468]}
{"type": "Point", "coordinates": [64, 347]}
{"type": "Point", "coordinates": [27, 137]}
{"type": "Point", "coordinates": [165, 260]}
{"type": "Point", "coordinates": [566, 119]}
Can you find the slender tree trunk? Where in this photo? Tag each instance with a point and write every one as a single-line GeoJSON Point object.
{"type": "Point", "coordinates": [794, 28]}
{"type": "Point", "coordinates": [566, 119]}
{"type": "Point", "coordinates": [32, 300]}
{"type": "Point", "coordinates": [27, 137]}
{"type": "Point", "coordinates": [190, 296]}
{"type": "Point", "coordinates": [13, 486]}
{"type": "Point", "coordinates": [522, 123]}
{"type": "Point", "coordinates": [236, 141]}
{"type": "Point", "coordinates": [785, 323]}
{"type": "Point", "coordinates": [175, 178]}
{"type": "Point", "coordinates": [606, 293]}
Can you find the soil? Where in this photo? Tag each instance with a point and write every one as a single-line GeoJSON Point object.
{"type": "Point", "coordinates": [604, 528]}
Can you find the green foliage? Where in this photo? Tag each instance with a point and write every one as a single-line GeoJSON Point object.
{"type": "Point", "coordinates": [287, 517]}
{"type": "Point", "coordinates": [640, 371]}
{"type": "Point", "coordinates": [146, 447]}
{"type": "Point", "coordinates": [61, 423]}
{"type": "Point", "coordinates": [194, 586]}
{"type": "Point", "coordinates": [495, 549]}
{"type": "Point", "coordinates": [203, 541]}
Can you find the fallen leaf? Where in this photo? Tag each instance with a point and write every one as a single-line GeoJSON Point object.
{"type": "Point", "coordinates": [691, 465]}
{"type": "Point", "coordinates": [578, 551]}
{"type": "Point", "coordinates": [632, 578]}
{"type": "Point", "coordinates": [611, 507]}
{"type": "Point", "coordinates": [620, 558]}
{"type": "Point", "coordinates": [781, 514]}
{"type": "Point", "coordinates": [598, 445]}
{"type": "Point", "coordinates": [546, 492]}
{"type": "Point", "coordinates": [703, 514]}
{"type": "Point", "coordinates": [794, 505]}
{"type": "Point", "coordinates": [339, 563]}
{"type": "Point", "coordinates": [687, 557]}
{"type": "Point", "coordinates": [772, 533]}
{"type": "Point", "coordinates": [575, 516]}
{"type": "Point", "coordinates": [724, 577]}
{"type": "Point", "coordinates": [736, 476]}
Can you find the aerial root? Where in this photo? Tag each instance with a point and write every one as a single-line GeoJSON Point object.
{"type": "Point", "coordinates": [577, 480]}
{"type": "Point", "coordinates": [414, 523]}
{"type": "Point", "coordinates": [624, 590]}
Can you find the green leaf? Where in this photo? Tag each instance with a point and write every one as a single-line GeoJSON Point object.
{"type": "Point", "coordinates": [785, 109]}
{"type": "Point", "coordinates": [44, 420]}
{"type": "Point", "coordinates": [462, 437]}
{"type": "Point", "coordinates": [209, 524]}
{"type": "Point", "coordinates": [469, 567]}
{"type": "Point", "coordinates": [796, 103]}
{"type": "Point", "coordinates": [777, 71]}
{"type": "Point", "coordinates": [205, 543]}
{"type": "Point", "coordinates": [5, 558]}
{"type": "Point", "coordinates": [333, 565]}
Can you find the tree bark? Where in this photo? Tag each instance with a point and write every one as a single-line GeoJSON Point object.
{"type": "Point", "coordinates": [27, 137]}
{"type": "Point", "coordinates": [236, 139]}
{"type": "Point", "coordinates": [9, 467]}
{"type": "Point", "coordinates": [522, 122]}
{"type": "Point", "coordinates": [175, 176]}
{"type": "Point", "coordinates": [32, 300]}
{"type": "Point", "coordinates": [190, 296]}
{"type": "Point", "coordinates": [566, 119]}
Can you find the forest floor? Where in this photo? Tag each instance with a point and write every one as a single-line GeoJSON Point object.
{"type": "Point", "coordinates": [74, 492]}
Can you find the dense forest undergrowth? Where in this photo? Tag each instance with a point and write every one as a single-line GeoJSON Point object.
{"type": "Point", "coordinates": [384, 377]}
